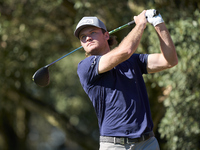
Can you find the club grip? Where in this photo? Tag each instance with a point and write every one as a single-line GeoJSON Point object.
{"type": "Point", "coordinates": [131, 22]}
{"type": "Point", "coordinates": [156, 13]}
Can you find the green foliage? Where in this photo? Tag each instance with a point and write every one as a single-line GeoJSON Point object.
{"type": "Point", "coordinates": [180, 126]}
{"type": "Point", "coordinates": [37, 32]}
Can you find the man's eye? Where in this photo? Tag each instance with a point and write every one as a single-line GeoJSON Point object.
{"type": "Point", "coordinates": [83, 37]}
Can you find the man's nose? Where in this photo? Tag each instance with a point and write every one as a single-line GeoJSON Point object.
{"type": "Point", "coordinates": [88, 38]}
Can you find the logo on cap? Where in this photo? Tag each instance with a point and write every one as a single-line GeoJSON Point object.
{"type": "Point", "coordinates": [88, 21]}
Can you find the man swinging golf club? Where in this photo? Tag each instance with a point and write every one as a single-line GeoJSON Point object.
{"type": "Point", "coordinates": [114, 83]}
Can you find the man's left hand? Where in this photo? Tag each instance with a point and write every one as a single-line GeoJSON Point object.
{"type": "Point", "coordinates": [152, 19]}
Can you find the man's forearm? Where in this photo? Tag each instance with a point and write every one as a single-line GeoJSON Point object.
{"type": "Point", "coordinates": [132, 40]}
{"type": "Point", "coordinates": [166, 44]}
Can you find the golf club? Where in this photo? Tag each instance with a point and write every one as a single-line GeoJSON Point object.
{"type": "Point", "coordinates": [41, 76]}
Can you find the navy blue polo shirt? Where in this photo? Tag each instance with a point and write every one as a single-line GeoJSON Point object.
{"type": "Point", "coordinates": [119, 96]}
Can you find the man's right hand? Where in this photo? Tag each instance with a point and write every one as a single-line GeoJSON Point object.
{"type": "Point", "coordinates": [141, 19]}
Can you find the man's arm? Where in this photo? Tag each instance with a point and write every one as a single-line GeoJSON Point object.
{"type": "Point", "coordinates": [168, 57]}
{"type": "Point", "coordinates": [126, 48]}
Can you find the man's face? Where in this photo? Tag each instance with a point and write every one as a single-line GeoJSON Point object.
{"type": "Point", "coordinates": [94, 41]}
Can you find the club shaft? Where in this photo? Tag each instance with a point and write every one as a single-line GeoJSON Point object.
{"type": "Point", "coordinates": [64, 56]}
{"type": "Point", "coordinates": [111, 32]}
{"type": "Point", "coordinates": [122, 27]}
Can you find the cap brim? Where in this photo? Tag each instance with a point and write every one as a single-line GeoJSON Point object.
{"type": "Point", "coordinates": [78, 30]}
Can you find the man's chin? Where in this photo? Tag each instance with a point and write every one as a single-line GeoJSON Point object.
{"type": "Point", "coordinates": [92, 49]}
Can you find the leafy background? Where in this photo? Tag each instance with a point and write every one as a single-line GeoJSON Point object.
{"type": "Point", "coordinates": [34, 33]}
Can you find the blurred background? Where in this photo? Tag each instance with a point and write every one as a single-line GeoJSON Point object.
{"type": "Point", "coordinates": [33, 33]}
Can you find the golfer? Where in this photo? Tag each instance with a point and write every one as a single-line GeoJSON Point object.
{"type": "Point", "coordinates": [113, 80]}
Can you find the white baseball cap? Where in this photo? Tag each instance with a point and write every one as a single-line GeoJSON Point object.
{"type": "Point", "coordinates": [88, 21]}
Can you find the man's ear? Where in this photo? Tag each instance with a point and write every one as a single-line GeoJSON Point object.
{"type": "Point", "coordinates": [106, 34]}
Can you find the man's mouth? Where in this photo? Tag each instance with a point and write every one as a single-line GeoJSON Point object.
{"type": "Point", "coordinates": [89, 44]}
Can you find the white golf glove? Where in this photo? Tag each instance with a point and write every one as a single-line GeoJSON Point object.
{"type": "Point", "coordinates": [152, 18]}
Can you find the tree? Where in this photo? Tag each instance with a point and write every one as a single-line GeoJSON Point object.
{"type": "Point", "coordinates": [35, 33]}
{"type": "Point", "coordinates": [180, 126]}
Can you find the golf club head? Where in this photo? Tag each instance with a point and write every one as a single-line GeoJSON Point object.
{"type": "Point", "coordinates": [41, 76]}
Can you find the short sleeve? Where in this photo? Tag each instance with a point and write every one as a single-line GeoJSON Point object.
{"type": "Point", "coordinates": [88, 71]}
